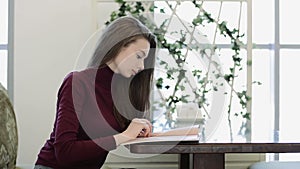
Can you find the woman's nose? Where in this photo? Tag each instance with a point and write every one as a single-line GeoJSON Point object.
{"type": "Point", "coordinates": [141, 65]}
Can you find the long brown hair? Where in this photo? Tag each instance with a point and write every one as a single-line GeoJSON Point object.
{"type": "Point", "coordinates": [130, 95]}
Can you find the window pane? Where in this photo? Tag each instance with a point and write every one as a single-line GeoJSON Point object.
{"type": "Point", "coordinates": [289, 26]}
{"type": "Point", "coordinates": [222, 131]}
{"type": "Point", "coordinates": [261, 95]}
{"type": "Point", "coordinates": [3, 21]}
{"type": "Point", "coordinates": [289, 92]}
{"type": "Point", "coordinates": [263, 21]}
{"type": "Point", "coordinates": [289, 101]}
{"type": "Point", "coordinates": [229, 13]}
{"type": "Point", "coordinates": [3, 68]}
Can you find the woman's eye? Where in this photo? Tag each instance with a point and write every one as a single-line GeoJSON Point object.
{"type": "Point", "coordinates": [138, 56]}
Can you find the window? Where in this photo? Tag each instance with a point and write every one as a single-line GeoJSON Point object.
{"type": "Point", "coordinates": [277, 32]}
{"type": "Point", "coordinates": [3, 41]}
{"type": "Point", "coordinates": [186, 12]}
{"type": "Point", "coordinates": [275, 59]}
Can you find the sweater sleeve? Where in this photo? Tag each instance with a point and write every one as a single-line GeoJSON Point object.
{"type": "Point", "coordinates": [68, 149]}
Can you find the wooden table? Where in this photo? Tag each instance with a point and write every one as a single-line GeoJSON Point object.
{"type": "Point", "coordinates": [210, 155]}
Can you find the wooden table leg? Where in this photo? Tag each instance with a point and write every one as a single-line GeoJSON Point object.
{"type": "Point", "coordinates": [209, 161]}
{"type": "Point", "coordinates": [184, 161]}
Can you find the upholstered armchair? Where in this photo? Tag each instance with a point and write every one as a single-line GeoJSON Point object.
{"type": "Point", "coordinates": [8, 132]}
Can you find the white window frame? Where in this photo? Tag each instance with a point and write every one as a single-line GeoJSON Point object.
{"type": "Point", "coordinates": [9, 48]}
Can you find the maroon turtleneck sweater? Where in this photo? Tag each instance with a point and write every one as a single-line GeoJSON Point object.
{"type": "Point", "coordinates": [84, 125]}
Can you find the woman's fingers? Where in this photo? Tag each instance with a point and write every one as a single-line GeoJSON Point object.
{"type": "Point", "coordinates": [150, 126]}
{"type": "Point", "coordinates": [145, 127]}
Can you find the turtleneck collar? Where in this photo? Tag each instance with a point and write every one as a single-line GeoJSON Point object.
{"type": "Point", "coordinates": [104, 77]}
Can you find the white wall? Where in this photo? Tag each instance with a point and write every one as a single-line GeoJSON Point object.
{"type": "Point", "coordinates": [48, 37]}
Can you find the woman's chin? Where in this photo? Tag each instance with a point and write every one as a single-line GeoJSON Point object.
{"type": "Point", "coordinates": [128, 75]}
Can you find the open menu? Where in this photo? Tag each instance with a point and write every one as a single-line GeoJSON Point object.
{"type": "Point", "coordinates": [177, 134]}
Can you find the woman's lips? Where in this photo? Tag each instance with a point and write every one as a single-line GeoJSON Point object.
{"type": "Point", "coordinates": [134, 72]}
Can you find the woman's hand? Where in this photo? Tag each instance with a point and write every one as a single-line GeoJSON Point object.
{"type": "Point", "coordinates": [137, 128]}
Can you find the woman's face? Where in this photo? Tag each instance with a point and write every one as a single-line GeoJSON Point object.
{"type": "Point", "coordinates": [131, 58]}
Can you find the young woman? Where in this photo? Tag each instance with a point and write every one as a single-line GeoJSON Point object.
{"type": "Point", "coordinates": [106, 104]}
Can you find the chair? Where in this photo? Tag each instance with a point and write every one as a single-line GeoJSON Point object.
{"type": "Point", "coordinates": [8, 132]}
{"type": "Point", "coordinates": [276, 165]}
